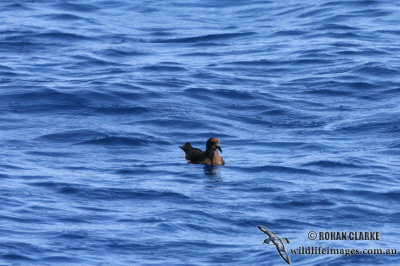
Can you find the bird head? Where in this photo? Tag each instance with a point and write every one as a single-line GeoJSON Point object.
{"type": "Point", "coordinates": [213, 144]}
{"type": "Point", "coordinates": [267, 241]}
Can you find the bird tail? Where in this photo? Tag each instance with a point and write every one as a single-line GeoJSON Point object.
{"type": "Point", "coordinates": [187, 147]}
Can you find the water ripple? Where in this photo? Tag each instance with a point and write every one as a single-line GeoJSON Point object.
{"type": "Point", "coordinates": [96, 97]}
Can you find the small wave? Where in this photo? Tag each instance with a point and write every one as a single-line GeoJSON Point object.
{"type": "Point", "coordinates": [276, 169]}
{"type": "Point", "coordinates": [294, 204]}
{"type": "Point", "coordinates": [161, 33]}
{"type": "Point", "coordinates": [223, 93]}
{"type": "Point", "coordinates": [159, 68]}
{"type": "Point", "coordinates": [351, 3]}
{"type": "Point", "coordinates": [120, 52]}
{"type": "Point", "coordinates": [3, 176]}
{"type": "Point", "coordinates": [92, 61]}
{"type": "Point", "coordinates": [123, 141]}
{"type": "Point", "coordinates": [16, 257]}
{"type": "Point", "coordinates": [204, 38]}
{"type": "Point", "coordinates": [43, 95]}
{"type": "Point", "coordinates": [330, 92]}
{"type": "Point", "coordinates": [254, 188]}
{"type": "Point", "coordinates": [291, 223]}
{"type": "Point", "coordinates": [196, 214]}
{"type": "Point", "coordinates": [312, 61]}
{"type": "Point", "coordinates": [120, 110]}
{"type": "Point", "coordinates": [72, 136]}
{"type": "Point", "coordinates": [199, 54]}
{"type": "Point", "coordinates": [391, 32]}
{"type": "Point", "coordinates": [61, 259]}
{"type": "Point", "coordinates": [52, 154]}
{"type": "Point", "coordinates": [376, 70]}
{"type": "Point", "coordinates": [359, 85]}
{"type": "Point", "coordinates": [315, 13]}
{"type": "Point", "coordinates": [17, 6]}
{"type": "Point", "coordinates": [75, 7]}
{"type": "Point", "coordinates": [10, 166]}
{"type": "Point", "coordinates": [179, 123]}
{"type": "Point", "coordinates": [43, 100]}
{"type": "Point", "coordinates": [335, 26]}
{"type": "Point", "coordinates": [289, 33]}
{"type": "Point", "coordinates": [394, 146]}
{"type": "Point", "coordinates": [58, 36]}
{"type": "Point", "coordinates": [122, 194]}
{"type": "Point", "coordinates": [362, 52]}
{"type": "Point", "coordinates": [364, 127]}
{"type": "Point", "coordinates": [332, 164]}
{"type": "Point", "coordinates": [259, 62]}
{"type": "Point", "coordinates": [64, 17]}
{"type": "Point", "coordinates": [382, 196]}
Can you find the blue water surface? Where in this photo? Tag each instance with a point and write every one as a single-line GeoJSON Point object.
{"type": "Point", "coordinates": [96, 96]}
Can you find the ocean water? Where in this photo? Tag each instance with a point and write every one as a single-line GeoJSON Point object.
{"type": "Point", "coordinates": [96, 96]}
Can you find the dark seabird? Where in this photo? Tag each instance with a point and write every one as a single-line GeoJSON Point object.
{"type": "Point", "coordinates": [209, 157]}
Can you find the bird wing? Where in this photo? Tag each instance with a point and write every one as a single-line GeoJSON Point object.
{"type": "Point", "coordinates": [280, 247]}
{"type": "Point", "coordinates": [266, 231]}
{"type": "Point", "coordinates": [195, 155]}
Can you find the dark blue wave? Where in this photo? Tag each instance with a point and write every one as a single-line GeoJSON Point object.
{"type": "Point", "coordinates": [333, 164]}
{"type": "Point", "coordinates": [204, 38]}
{"type": "Point", "coordinates": [75, 7]}
{"type": "Point", "coordinates": [276, 169]}
{"type": "Point", "coordinates": [65, 16]}
{"type": "Point", "coordinates": [159, 68]}
{"type": "Point", "coordinates": [125, 141]}
{"type": "Point", "coordinates": [72, 136]}
{"type": "Point", "coordinates": [225, 93]}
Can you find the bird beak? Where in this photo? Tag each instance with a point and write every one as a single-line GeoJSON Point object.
{"type": "Point", "coordinates": [219, 148]}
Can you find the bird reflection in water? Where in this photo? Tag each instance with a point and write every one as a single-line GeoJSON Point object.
{"type": "Point", "coordinates": [211, 170]}
{"type": "Point", "coordinates": [212, 174]}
